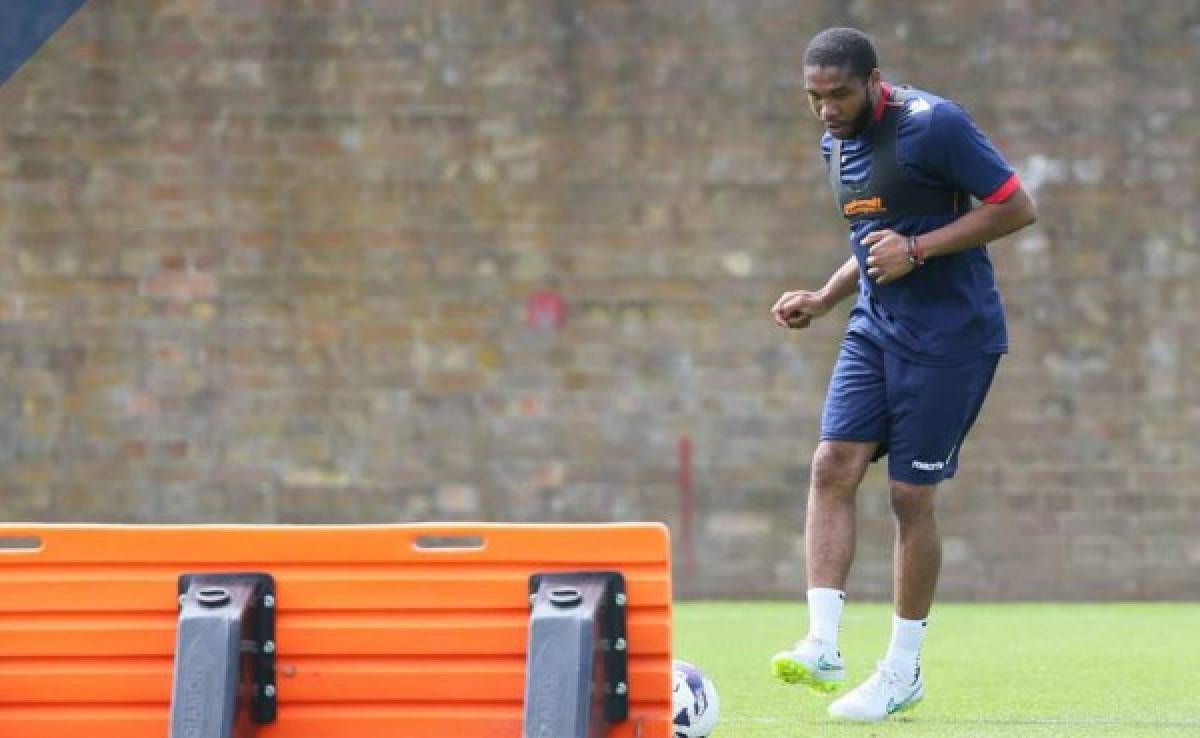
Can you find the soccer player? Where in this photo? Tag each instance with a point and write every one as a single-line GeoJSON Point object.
{"type": "Point", "coordinates": [919, 352]}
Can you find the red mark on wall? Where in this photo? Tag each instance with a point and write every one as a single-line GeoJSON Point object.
{"type": "Point", "coordinates": [687, 506]}
{"type": "Point", "coordinates": [546, 311]}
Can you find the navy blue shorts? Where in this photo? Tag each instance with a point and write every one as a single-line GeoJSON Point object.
{"type": "Point", "coordinates": [919, 414]}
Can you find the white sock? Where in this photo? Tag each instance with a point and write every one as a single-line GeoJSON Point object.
{"type": "Point", "coordinates": [825, 613]}
{"type": "Point", "coordinates": [904, 653]}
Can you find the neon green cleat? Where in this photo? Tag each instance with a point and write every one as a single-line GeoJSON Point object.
{"type": "Point", "coordinates": [814, 663]}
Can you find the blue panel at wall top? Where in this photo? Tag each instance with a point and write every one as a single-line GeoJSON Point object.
{"type": "Point", "coordinates": [24, 27]}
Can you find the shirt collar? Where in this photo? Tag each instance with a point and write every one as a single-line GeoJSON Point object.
{"type": "Point", "coordinates": [883, 99]}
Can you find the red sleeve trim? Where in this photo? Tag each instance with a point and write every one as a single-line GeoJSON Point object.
{"type": "Point", "coordinates": [1004, 191]}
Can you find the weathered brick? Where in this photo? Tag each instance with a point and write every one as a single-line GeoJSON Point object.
{"type": "Point", "coordinates": [272, 264]}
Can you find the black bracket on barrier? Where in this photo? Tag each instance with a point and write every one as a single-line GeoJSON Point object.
{"type": "Point", "coordinates": [224, 680]}
{"type": "Point", "coordinates": [595, 603]}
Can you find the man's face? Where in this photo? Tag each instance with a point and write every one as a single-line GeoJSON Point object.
{"type": "Point", "coordinates": [842, 102]}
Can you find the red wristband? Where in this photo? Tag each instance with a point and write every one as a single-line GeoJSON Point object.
{"type": "Point", "coordinates": [915, 250]}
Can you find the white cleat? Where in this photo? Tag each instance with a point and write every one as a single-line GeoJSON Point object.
{"type": "Point", "coordinates": [814, 663]}
{"type": "Point", "coordinates": [884, 693]}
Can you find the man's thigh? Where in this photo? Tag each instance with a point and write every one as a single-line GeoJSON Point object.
{"type": "Point", "coordinates": [856, 405]}
{"type": "Point", "coordinates": [931, 410]}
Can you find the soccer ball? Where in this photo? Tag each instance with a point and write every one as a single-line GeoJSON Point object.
{"type": "Point", "coordinates": [694, 702]}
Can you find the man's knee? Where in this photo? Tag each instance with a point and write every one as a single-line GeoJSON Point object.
{"type": "Point", "coordinates": [838, 467]}
{"type": "Point", "coordinates": [912, 501]}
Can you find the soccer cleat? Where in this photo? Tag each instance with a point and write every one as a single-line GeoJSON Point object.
{"type": "Point", "coordinates": [884, 693]}
{"type": "Point", "coordinates": [814, 663]}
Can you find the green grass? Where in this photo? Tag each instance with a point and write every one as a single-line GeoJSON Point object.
{"type": "Point", "coordinates": [990, 670]}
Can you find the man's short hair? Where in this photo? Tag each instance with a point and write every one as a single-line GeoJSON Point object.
{"type": "Point", "coordinates": [843, 48]}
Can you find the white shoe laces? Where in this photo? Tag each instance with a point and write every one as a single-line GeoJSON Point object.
{"type": "Point", "coordinates": [822, 646]}
{"type": "Point", "coordinates": [882, 682]}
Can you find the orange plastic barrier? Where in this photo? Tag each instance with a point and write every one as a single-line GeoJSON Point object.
{"type": "Point", "coordinates": [378, 636]}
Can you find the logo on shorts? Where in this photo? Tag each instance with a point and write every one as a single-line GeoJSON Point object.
{"type": "Point", "coordinates": [935, 465]}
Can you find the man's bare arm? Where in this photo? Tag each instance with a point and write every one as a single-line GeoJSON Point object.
{"type": "Point", "coordinates": [842, 284]}
{"type": "Point", "coordinates": [984, 224]}
{"type": "Point", "coordinates": [797, 309]}
{"type": "Point", "coordinates": [888, 256]}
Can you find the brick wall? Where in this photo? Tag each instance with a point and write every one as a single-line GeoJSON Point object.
{"type": "Point", "coordinates": [301, 262]}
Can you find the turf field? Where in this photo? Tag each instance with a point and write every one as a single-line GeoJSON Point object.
{"type": "Point", "coordinates": [990, 670]}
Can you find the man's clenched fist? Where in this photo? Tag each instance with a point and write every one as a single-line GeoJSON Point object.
{"type": "Point", "coordinates": [797, 309]}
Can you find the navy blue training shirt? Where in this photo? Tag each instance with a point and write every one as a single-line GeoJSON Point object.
{"type": "Point", "coordinates": [948, 310]}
